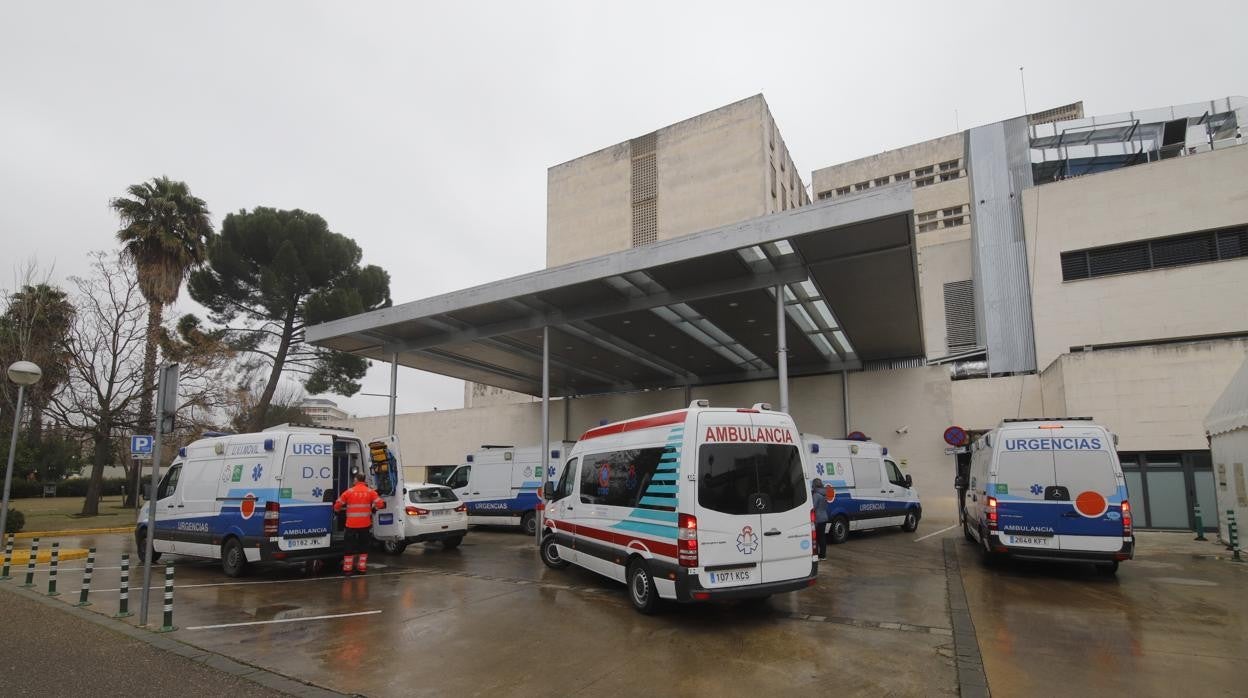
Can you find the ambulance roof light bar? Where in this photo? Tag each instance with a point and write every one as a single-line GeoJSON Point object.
{"type": "Point", "coordinates": [1047, 419]}
{"type": "Point", "coordinates": [700, 403]}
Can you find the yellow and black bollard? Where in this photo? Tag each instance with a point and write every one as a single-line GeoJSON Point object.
{"type": "Point", "coordinates": [1233, 531]}
{"type": "Point", "coordinates": [168, 619]}
{"type": "Point", "coordinates": [8, 558]}
{"type": "Point", "coordinates": [86, 579]}
{"type": "Point", "coordinates": [123, 608]}
{"type": "Point", "coordinates": [30, 566]}
{"type": "Point", "coordinates": [56, 557]}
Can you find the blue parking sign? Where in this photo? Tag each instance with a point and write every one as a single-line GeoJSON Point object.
{"type": "Point", "coordinates": [141, 446]}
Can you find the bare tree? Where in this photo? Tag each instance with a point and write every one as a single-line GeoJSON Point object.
{"type": "Point", "coordinates": [106, 344]}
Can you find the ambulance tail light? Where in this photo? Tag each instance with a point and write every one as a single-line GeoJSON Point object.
{"type": "Point", "coordinates": [1126, 518]}
{"type": "Point", "coordinates": [992, 513]}
{"type": "Point", "coordinates": [416, 511]}
{"type": "Point", "coordinates": [814, 539]}
{"type": "Point", "coordinates": [462, 508]}
{"type": "Point", "coordinates": [272, 515]}
{"type": "Point", "coordinates": [687, 541]}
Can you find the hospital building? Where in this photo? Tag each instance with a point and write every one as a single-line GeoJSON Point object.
{"type": "Point", "coordinates": [1052, 264]}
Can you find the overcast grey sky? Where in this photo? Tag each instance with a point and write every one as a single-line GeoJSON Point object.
{"type": "Point", "coordinates": [424, 130]}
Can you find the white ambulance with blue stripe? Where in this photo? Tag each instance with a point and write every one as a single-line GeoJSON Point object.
{"type": "Point", "coordinates": [1049, 489]}
{"type": "Point", "coordinates": [698, 504]}
{"type": "Point", "coordinates": [865, 487]}
{"type": "Point", "coordinates": [269, 496]}
{"type": "Point", "coordinates": [501, 484]}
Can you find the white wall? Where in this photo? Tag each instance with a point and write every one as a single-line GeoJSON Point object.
{"type": "Point", "coordinates": [1230, 470]}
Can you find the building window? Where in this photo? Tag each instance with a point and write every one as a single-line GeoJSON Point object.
{"type": "Point", "coordinates": [842, 191]}
{"type": "Point", "coordinates": [901, 176]}
{"type": "Point", "coordinates": [1159, 253]}
{"type": "Point", "coordinates": [924, 181]}
{"type": "Point", "coordinates": [881, 181]}
{"type": "Point", "coordinates": [862, 186]}
{"type": "Point", "coordinates": [825, 195]}
{"type": "Point", "coordinates": [960, 329]}
{"type": "Point", "coordinates": [951, 211]}
{"type": "Point", "coordinates": [951, 222]}
{"type": "Point", "coordinates": [948, 165]}
{"type": "Point", "coordinates": [919, 172]}
{"type": "Point", "coordinates": [645, 183]}
{"type": "Point", "coordinates": [946, 176]}
{"type": "Point", "coordinates": [928, 216]}
{"type": "Point", "coordinates": [928, 227]}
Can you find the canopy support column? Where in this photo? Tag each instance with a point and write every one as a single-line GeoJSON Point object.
{"type": "Point", "coordinates": [845, 398]}
{"type": "Point", "coordinates": [541, 514]}
{"type": "Point", "coordinates": [782, 351]}
{"type": "Point", "coordinates": [394, 389]}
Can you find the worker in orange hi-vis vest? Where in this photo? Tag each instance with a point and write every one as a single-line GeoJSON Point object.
{"type": "Point", "coordinates": [360, 502]}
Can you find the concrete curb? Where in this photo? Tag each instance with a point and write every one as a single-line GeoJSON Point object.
{"type": "Point", "coordinates": [972, 681]}
{"type": "Point", "coordinates": [255, 674]}
{"type": "Point", "coordinates": [72, 532]}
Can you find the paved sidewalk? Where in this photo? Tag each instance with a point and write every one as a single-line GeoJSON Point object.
{"type": "Point", "coordinates": [57, 651]}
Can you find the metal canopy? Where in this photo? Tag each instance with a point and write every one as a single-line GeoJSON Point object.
{"type": "Point", "coordinates": [695, 310]}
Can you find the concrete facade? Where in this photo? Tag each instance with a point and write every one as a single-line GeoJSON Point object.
{"type": "Point", "coordinates": [1180, 195]}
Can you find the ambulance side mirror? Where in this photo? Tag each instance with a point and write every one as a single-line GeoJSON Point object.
{"type": "Point", "coordinates": [909, 481]}
{"type": "Point", "coordinates": [147, 492]}
{"type": "Point", "coordinates": [548, 491]}
{"type": "Point", "coordinates": [959, 481]}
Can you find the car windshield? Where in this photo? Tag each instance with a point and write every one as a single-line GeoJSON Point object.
{"type": "Point", "coordinates": [432, 495]}
{"type": "Point", "coordinates": [730, 474]}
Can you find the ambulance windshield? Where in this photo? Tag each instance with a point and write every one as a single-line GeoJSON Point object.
{"type": "Point", "coordinates": [729, 475]}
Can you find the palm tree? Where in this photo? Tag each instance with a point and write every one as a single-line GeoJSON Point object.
{"type": "Point", "coordinates": [165, 233]}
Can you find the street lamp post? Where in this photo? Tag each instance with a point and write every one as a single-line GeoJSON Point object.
{"type": "Point", "coordinates": [23, 373]}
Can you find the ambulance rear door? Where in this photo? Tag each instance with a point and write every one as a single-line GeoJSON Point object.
{"type": "Point", "coordinates": [385, 474]}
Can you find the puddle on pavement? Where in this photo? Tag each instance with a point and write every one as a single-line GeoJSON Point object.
{"type": "Point", "coordinates": [272, 612]}
{"type": "Point", "coordinates": [1185, 581]}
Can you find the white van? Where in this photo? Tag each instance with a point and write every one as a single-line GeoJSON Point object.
{"type": "Point", "coordinates": [868, 488]}
{"type": "Point", "coordinates": [500, 484]}
{"type": "Point", "coordinates": [1049, 489]}
{"type": "Point", "coordinates": [269, 496]}
{"type": "Point", "coordinates": [692, 505]}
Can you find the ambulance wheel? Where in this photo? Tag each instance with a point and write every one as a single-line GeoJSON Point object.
{"type": "Point", "coordinates": [550, 554]}
{"type": "Point", "coordinates": [1108, 570]}
{"type": "Point", "coordinates": [838, 531]}
{"type": "Point", "coordinates": [394, 547]}
{"type": "Point", "coordinates": [911, 523]}
{"type": "Point", "coordinates": [985, 549]}
{"type": "Point", "coordinates": [528, 523]}
{"type": "Point", "coordinates": [140, 542]}
{"type": "Point", "coordinates": [233, 559]}
{"type": "Point", "coordinates": [641, 589]}
{"type": "Point", "coordinates": [452, 543]}
{"type": "Point", "coordinates": [966, 532]}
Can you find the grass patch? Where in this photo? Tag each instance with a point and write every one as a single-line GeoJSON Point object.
{"type": "Point", "coordinates": [61, 513]}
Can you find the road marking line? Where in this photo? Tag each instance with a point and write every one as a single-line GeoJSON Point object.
{"type": "Point", "coordinates": [282, 620]}
{"type": "Point", "coordinates": [936, 533]}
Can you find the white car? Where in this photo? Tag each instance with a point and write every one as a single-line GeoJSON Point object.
{"type": "Point", "coordinates": [431, 513]}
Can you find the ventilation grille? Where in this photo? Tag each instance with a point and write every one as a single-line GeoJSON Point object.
{"type": "Point", "coordinates": [960, 328]}
{"type": "Point", "coordinates": [645, 189]}
{"type": "Point", "coordinates": [1176, 251]}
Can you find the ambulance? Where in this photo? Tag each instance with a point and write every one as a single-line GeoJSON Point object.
{"type": "Point", "coordinates": [1049, 489]}
{"type": "Point", "coordinates": [698, 504]}
{"type": "Point", "coordinates": [269, 496]}
{"type": "Point", "coordinates": [866, 488]}
{"type": "Point", "coordinates": [500, 484]}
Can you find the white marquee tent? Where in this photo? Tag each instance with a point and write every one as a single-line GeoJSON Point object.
{"type": "Point", "coordinates": [1227, 426]}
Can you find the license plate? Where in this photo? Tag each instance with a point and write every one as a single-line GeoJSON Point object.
{"type": "Point", "coordinates": [1033, 541]}
{"type": "Point", "coordinates": [441, 512]}
{"type": "Point", "coordinates": [302, 543]}
{"type": "Point", "coordinates": [730, 576]}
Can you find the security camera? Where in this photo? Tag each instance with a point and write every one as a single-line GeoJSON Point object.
{"type": "Point", "coordinates": [904, 429]}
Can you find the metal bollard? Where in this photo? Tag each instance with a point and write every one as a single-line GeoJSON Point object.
{"type": "Point", "coordinates": [30, 566]}
{"type": "Point", "coordinates": [86, 579]}
{"type": "Point", "coordinates": [8, 559]}
{"type": "Point", "coordinates": [1233, 529]}
{"type": "Point", "coordinates": [168, 619]}
{"type": "Point", "coordinates": [123, 608]}
{"type": "Point", "coordinates": [56, 556]}
{"type": "Point", "coordinates": [1200, 525]}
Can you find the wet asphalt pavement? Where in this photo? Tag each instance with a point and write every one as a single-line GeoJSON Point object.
{"type": "Point", "coordinates": [489, 618]}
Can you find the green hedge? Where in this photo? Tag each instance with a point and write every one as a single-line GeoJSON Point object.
{"type": "Point", "coordinates": [76, 487]}
{"type": "Point", "coordinates": [15, 522]}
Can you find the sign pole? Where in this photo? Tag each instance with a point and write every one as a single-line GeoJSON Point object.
{"type": "Point", "coordinates": [166, 405]}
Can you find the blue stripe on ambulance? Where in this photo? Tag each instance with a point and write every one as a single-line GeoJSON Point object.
{"type": "Point", "coordinates": [655, 514]}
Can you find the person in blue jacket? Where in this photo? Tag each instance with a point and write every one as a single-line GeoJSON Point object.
{"type": "Point", "coordinates": [819, 500]}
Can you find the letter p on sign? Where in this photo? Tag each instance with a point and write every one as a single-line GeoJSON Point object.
{"type": "Point", "coordinates": [141, 446]}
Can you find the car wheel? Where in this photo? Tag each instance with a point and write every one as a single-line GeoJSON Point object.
{"type": "Point", "coordinates": [1108, 570]}
{"type": "Point", "coordinates": [140, 542]}
{"type": "Point", "coordinates": [838, 532]}
{"type": "Point", "coordinates": [985, 549]}
{"type": "Point", "coordinates": [911, 523]}
{"type": "Point", "coordinates": [550, 554]}
{"type": "Point", "coordinates": [452, 543]}
{"type": "Point", "coordinates": [641, 589]}
{"type": "Point", "coordinates": [233, 559]}
{"type": "Point", "coordinates": [393, 547]}
{"type": "Point", "coordinates": [528, 523]}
